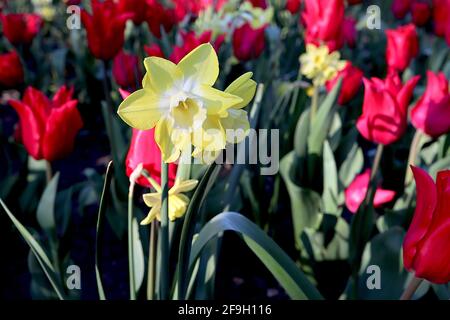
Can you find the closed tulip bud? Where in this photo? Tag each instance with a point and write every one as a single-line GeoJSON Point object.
{"type": "Point", "coordinates": [441, 16]}
{"type": "Point", "coordinates": [425, 247]}
{"type": "Point", "coordinates": [48, 127]}
{"type": "Point", "coordinates": [385, 107]}
{"type": "Point", "coordinates": [400, 8]}
{"type": "Point", "coordinates": [352, 79]}
{"type": "Point", "coordinates": [431, 114]}
{"type": "Point", "coordinates": [126, 70]}
{"type": "Point", "coordinates": [11, 70]}
{"type": "Point", "coordinates": [248, 43]}
{"type": "Point", "coordinates": [402, 47]}
{"type": "Point", "coordinates": [421, 13]}
{"type": "Point", "coordinates": [20, 28]}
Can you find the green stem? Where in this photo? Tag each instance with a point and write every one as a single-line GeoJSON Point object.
{"type": "Point", "coordinates": [48, 171]}
{"type": "Point", "coordinates": [130, 243]}
{"type": "Point", "coordinates": [165, 254]}
{"type": "Point", "coordinates": [375, 167]}
{"type": "Point", "coordinates": [411, 289]}
{"type": "Point", "coordinates": [152, 261]}
{"type": "Point", "coordinates": [413, 151]}
{"type": "Point", "coordinates": [108, 114]}
{"type": "Point", "coordinates": [314, 102]}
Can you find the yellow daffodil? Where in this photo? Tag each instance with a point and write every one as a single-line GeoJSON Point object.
{"type": "Point", "coordinates": [319, 65]}
{"type": "Point", "coordinates": [178, 202]}
{"type": "Point", "coordinates": [181, 102]}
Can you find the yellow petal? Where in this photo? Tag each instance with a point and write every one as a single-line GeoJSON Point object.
{"type": "Point", "coordinates": [183, 186]}
{"type": "Point", "coordinates": [177, 206]}
{"type": "Point", "coordinates": [210, 136]}
{"type": "Point", "coordinates": [154, 213]}
{"type": "Point", "coordinates": [163, 137]}
{"type": "Point", "coordinates": [200, 66]}
{"type": "Point", "coordinates": [161, 74]}
{"type": "Point", "coordinates": [216, 101]}
{"type": "Point", "coordinates": [236, 125]}
{"type": "Point", "coordinates": [243, 87]}
{"type": "Point", "coordinates": [206, 157]}
{"type": "Point", "coordinates": [140, 110]}
{"type": "Point", "coordinates": [152, 199]}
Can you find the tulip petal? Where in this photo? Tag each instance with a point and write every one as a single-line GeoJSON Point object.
{"type": "Point", "coordinates": [141, 109]}
{"type": "Point", "coordinates": [405, 94]}
{"type": "Point", "coordinates": [243, 87]}
{"type": "Point", "coordinates": [200, 66]}
{"type": "Point", "coordinates": [161, 75]}
{"type": "Point", "coordinates": [425, 205]}
{"type": "Point", "coordinates": [382, 197]}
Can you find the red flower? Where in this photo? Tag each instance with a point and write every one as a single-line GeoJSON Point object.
{"type": "Point", "coordinates": [20, 28]}
{"type": "Point", "coordinates": [105, 28]}
{"type": "Point", "coordinates": [192, 8]}
{"type": "Point", "coordinates": [425, 247]}
{"type": "Point", "coordinates": [421, 13]}
{"type": "Point", "coordinates": [441, 14]}
{"type": "Point", "coordinates": [384, 117]}
{"type": "Point", "coordinates": [11, 70]}
{"type": "Point", "coordinates": [353, 2]}
{"type": "Point", "coordinates": [402, 47]}
{"type": "Point", "coordinates": [356, 193]}
{"type": "Point", "coordinates": [48, 127]}
{"type": "Point", "coordinates": [153, 50]}
{"type": "Point", "coordinates": [259, 3]}
{"type": "Point", "coordinates": [158, 16]}
{"type": "Point", "coordinates": [350, 32]}
{"type": "Point", "coordinates": [352, 81]}
{"type": "Point", "coordinates": [190, 42]}
{"type": "Point", "coordinates": [126, 70]}
{"type": "Point", "coordinates": [293, 6]}
{"type": "Point", "coordinates": [323, 20]}
{"type": "Point", "coordinates": [248, 43]}
{"type": "Point", "coordinates": [72, 2]}
{"type": "Point", "coordinates": [136, 8]}
{"type": "Point", "coordinates": [431, 114]}
{"type": "Point", "coordinates": [400, 8]}
{"type": "Point", "coordinates": [145, 150]}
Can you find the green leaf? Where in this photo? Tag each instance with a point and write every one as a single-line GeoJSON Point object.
{"type": "Point", "coordinates": [139, 265]}
{"type": "Point", "coordinates": [46, 208]}
{"type": "Point", "coordinates": [330, 183]}
{"type": "Point", "coordinates": [352, 165]}
{"type": "Point", "coordinates": [301, 135]}
{"type": "Point", "coordinates": [439, 165]}
{"type": "Point", "coordinates": [288, 274]}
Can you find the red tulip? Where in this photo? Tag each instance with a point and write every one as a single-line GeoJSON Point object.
{"type": "Point", "coordinates": [431, 114]}
{"type": "Point", "coordinates": [11, 70]}
{"type": "Point", "coordinates": [402, 47]}
{"type": "Point", "coordinates": [153, 50]}
{"type": "Point", "coordinates": [421, 13]}
{"type": "Point", "coordinates": [350, 32]}
{"type": "Point", "coordinates": [105, 28]}
{"type": "Point", "coordinates": [441, 16]}
{"type": "Point", "coordinates": [48, 127]}
{"type": "Point", "coordinates": [323, 20]}
{"type": "Point", "coordinates": [72, 2]}
{"type": "Point", "coordinates": [20, 28]}
{"type": "Point", "coordinates": [136, 8]}
{"type": "Point", "coordinates": [352, 81]}
{"type": "Point", "coordinates": [400, 8]}
{"type": "Point", "coordinates": [385, 107]}
{"type": "Point", "coordinates": [158, 17]}
{"type": "Point", "coordinates": [356, 193]}
{"type": "Point", "coordinates": [259, 3]}
{"type": "Point", "coordinates": [353, 2]}
{"type": "Point", "coordinates": [248, 43]}
{"type": "Point", "coordinates": [293, 6]}
{"type": "Point", "coordinates": [145, 150]}
{"type": "Point", "coordinates": [192, 8]}
{"type": "Point", "coordinates": [126, 70]}
{"type": "Point", "coordinates": [190, 42]}
{"type": "Point", "coordinates": [426, 244]}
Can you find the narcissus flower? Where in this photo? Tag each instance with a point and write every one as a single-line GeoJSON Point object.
{"type": "Point", "coordinates": [48, 127]}
{"type": "Point", "coordinates": [178, 202]}
{"type": "Point", "coordinates": [11, 70]}
{"type": "Point", "coordinates": [179, 100]}
{"type": "Point", "coordinates": [425, 248]}
{"type": "Point", "coordinates": [319, 65]}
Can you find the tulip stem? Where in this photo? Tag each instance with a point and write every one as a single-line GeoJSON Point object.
{"type": "Point", "coordinates": [375, 167]}
{"type": "Point", "coordinates": [314, 102]}
{"type": "Point", "coordinates": [411, 289]}
{"type": "Point", "coordinates": [48, 171]}
{"type": "Point", "coordinates": [164, 230]}
{"type": "Point", "coordinates": [152, 261]}
{"type": "Point", "coordinates": [130, 242]}
{"type": "Point", "coordinates": [413, 151]}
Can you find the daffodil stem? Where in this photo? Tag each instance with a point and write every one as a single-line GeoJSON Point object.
{"type": "Point", "coordinates": [314, 102]}
{"type": "Point", "coordinates": [413, 151]}
{"type": "Point", "coordinates": [375, 167]}
{"type": "Point", "coordinates": [48, 171]}
{"type": "Point", "coordinates": [411, 289]}
{"type": "Point", "coordinates": [165, 254]}
{"type": "Point", "coordinates": [152, 261]}
{"type": "Point", "coordinates": [108, 115]}
{"type": "Point", "coordinates": [130, 243]}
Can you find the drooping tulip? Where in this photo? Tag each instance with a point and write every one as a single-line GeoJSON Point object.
{"type": "Point", "coordinates": [126, 70]}
{"type": "Point", "coordinates": [425, 247]}
{"type": "Point", "coordinates": [356, 193]}
{"type": "Point", "coordinates": [11, 70]}
{"type": "Point", "coordinates": [402, 47]}
{"type": "Point", "coordinates": [248, 43]}
{"type": "Point", "coordinates": [385, 107]}
{"type": "Point", "coordinates": [20, 28]}
{"type": "Point", "coordinates": [352, 79]}
{"type": "Point", "coordinates": [48, 127]}
{"type": "Point", "coordinates": [105, 28]}
{"type": "Point", "coordinates": [431, 114]}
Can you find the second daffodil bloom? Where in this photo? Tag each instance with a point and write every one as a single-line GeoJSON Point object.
{"type": "Point", "coordinates": [319, 65]}
{"type": "Point", "coordinates": [178, 202]}
{"type": "Point", "coordinates": [180, 102]}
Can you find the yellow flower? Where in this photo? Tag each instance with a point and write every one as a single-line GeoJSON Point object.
{"type": "Point", "coordinates": [178, 202]}
{"type": "Point", "coordinates": [181, 102]}
{"type": "Point", "coordinates": [319, 65]}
